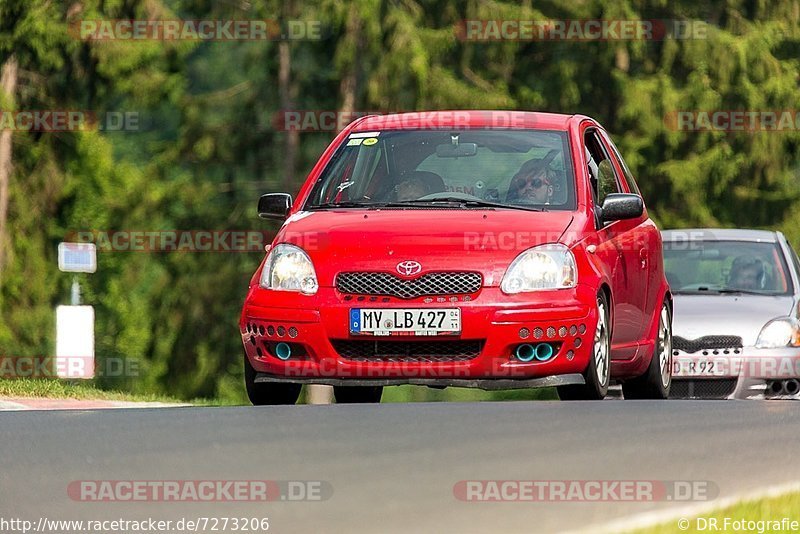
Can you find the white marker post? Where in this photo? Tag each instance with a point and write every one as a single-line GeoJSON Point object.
{"type": "Point", "coordinates": [75, 323]}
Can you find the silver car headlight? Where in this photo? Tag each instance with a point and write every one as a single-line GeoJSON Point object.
{"type": "Point", "coordinates": [780, 332]}
{"type": "Point", "coordinates": [288, 268]}
{"type": "Point", "coordinates": [549, 266]}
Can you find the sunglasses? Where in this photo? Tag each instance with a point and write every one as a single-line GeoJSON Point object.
{"type": "Point", "coordinates": [535, 182]}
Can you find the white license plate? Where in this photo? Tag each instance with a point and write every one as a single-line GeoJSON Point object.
{"type": "Point", "coordinates": [394, 321]}
{"type": "Point", "coordinates": [703, 367]}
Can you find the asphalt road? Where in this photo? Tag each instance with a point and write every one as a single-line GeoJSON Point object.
{"type": "Point", "coordinates": [393, 467]}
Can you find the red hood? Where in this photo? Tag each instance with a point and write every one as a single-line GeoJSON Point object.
{"type": "Point", "coordinates": [377, 240]}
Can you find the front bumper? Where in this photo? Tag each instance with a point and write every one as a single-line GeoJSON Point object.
{"type": "Point", "coordinates": [744, 373]}
{"type": "Point", "coordinates": [313, 324]}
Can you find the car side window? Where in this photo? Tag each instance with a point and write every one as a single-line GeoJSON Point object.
{"type": "Point", "coordinates": [626, 172]}
{"type": "Point", "coordinates": [795, 259]}
{"type": "Point", "coordinates": [607, 179]}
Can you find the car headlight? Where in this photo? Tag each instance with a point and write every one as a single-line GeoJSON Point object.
{"type": "Point", "coordinates": [544, 267]}
{"type": "Point", "coordinates": [781, 332]}
{"type": "Point", "coordinates": [288, 268]}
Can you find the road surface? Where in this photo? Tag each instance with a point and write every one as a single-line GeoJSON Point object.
{"type": "Point", "coordinates": [393, 467]}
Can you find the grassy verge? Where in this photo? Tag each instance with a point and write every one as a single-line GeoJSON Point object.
{"type": "Point", "coordinates": [768, 510]}
{"type": "Point", "coordinates": [65, 389]}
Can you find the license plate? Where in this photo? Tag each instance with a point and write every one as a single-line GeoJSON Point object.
{"type": "Point", "coordinates": [702, 367]}
{"type": "Point", "coordinates": [417, 322]}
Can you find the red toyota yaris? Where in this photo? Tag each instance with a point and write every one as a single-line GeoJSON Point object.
{"type": "Point", "coordinates": [467, 248]}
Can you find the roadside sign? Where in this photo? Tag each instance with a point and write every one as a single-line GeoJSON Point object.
{"type": "Point", "coordinates": [75, 341]}
{"type": "Point", "coordinates": [77, 257]}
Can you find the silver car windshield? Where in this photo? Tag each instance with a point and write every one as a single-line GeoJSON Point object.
{"type": "Point", "coordinates": [726, 266]}
{"type": "Point", "coordinates": [462, 168]}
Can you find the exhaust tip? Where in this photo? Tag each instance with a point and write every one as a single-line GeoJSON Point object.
{"type": "Point", "coordinates": [776, 387]}
{"type": "Point", "coordinates": [283, 351]}
{"type": "Point", "coordinates": [525, 352]}
{"type": "Point", "coordinates": [791, 387]}
{"type": "Point", "coordinates": [544, 351]}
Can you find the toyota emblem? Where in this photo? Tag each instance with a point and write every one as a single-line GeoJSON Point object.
{"type": "Point", "coordinates": [408, 267]}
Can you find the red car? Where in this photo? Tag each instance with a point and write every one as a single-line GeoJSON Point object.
{"type": "Point", "coordinates": [481, 249]}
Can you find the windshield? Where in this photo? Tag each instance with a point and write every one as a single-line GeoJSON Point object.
{"type": "Point", "coordinates": [725, 266]}
{"type": "Point", "coordinates": [522, 168]}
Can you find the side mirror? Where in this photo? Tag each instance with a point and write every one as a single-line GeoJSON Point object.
{"type": "Point", "coordinates": [274, 206]}
{"type": "Point", "coordinates": [618, 206]}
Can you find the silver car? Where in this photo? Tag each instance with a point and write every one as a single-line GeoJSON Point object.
{"type": "Point", "coordinates": [736, 309]}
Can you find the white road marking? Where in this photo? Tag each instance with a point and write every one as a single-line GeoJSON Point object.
{"type": "Point", "coordinates": [9, 406]}
{"type": "Point", "coordinates": [659, 517]}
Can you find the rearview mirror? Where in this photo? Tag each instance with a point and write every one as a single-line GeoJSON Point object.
{"type": "Point", "coordinates": [274, 206]}
{"type": "Point", "coordinates": [619, 206]}
{"type": "Point", "coordinates": [461, 150]}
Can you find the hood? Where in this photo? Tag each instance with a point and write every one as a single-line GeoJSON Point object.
{"type": "Point", "coordinates": [439, 239]}
{"type": "Point", "coordinates": [696, 316]}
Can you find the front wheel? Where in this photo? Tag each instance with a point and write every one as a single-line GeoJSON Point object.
{"type": "Point", "coordinates": [656, 381]}
{"type": "Point", "coordinates": [357, 394]}
{"type": "Point", "coordinates": [598, 371]}
{"type": "Point", "coordinates": [266, 393]}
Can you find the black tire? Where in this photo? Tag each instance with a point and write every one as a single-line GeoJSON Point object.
{"type": "Point", "coordinates": [357, 394]}
{"type": "Point", "coordinates": [655, 383]}
{"type": "Point", "coordinates": [268, 393]}
{"type": "Point", "coordinates": [598, 372]}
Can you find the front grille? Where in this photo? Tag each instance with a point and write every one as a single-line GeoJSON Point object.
{"type": "Point", "coordinates": [408, 351]}
{"type": "Point", "coordinates": [706, 342]}
{"type": "Point", "coordinates": [430, 284]}
{"type": "Point", "coordinates": [712, 388]}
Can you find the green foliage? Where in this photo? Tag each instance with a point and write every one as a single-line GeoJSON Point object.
{"type": "Point", "coordinates": [208, 146]}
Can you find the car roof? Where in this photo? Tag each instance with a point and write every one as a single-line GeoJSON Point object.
{"type": "Point", "coordinates": [418, 120]}
{"type": "Point", "coordinates": [720, 234]}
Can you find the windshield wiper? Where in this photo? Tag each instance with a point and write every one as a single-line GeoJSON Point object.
{"type": "Point", "coordinates": [453, 202]}
{"type": "Point", "coordinates": [743, 291]}
{"type": "Point", "coordinates": [345, 204]}
{"type": "Point", "coordinates": [463, 202]}
{"type": "Point", "coordinates": [371, 205]}
{"type": "Point", "coordinates": [729, 291]}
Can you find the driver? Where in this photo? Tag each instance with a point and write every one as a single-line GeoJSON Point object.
{"type": "Point", "coordinates": [411, 189]}
{"type": "Point", "coordinates": [747, 272]}
{"type": "Point", "coordinates": [532, 184]}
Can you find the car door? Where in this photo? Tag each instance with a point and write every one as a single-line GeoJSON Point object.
{"type": "Point", "coordinates": [618, 250]}
{"type": "Point", "coordinates": [647, 242]}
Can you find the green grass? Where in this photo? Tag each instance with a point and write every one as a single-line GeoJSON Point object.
{"type": "Point", "coordinates": [67, 389]}
{"type": "Point", "coordinates": [769, 509]}
{"type": "Point", "coordinates": [75, 389]}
